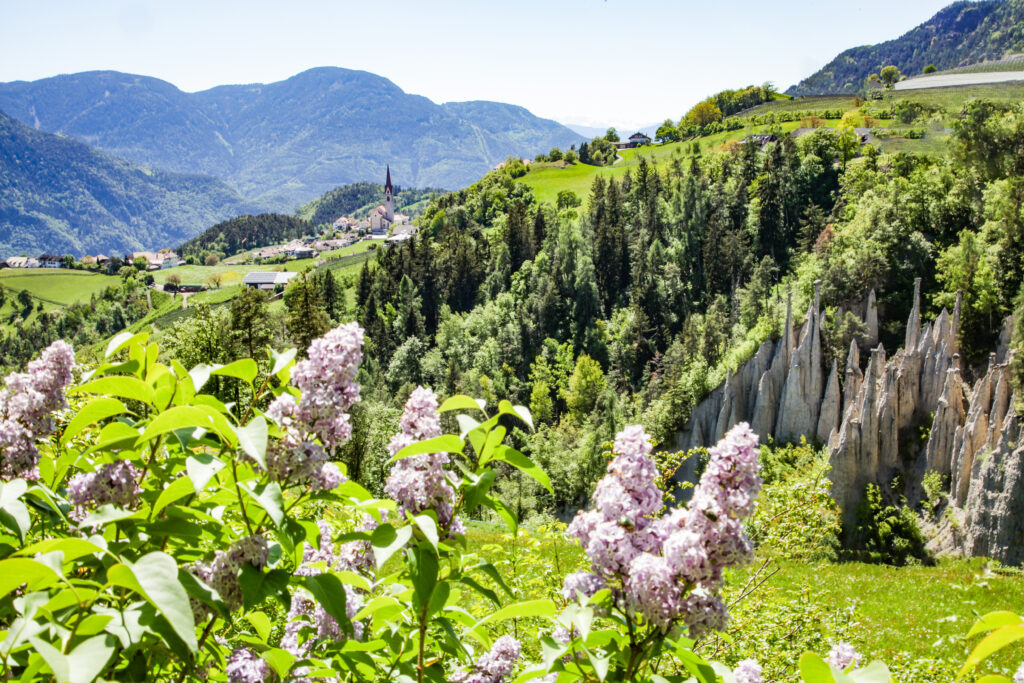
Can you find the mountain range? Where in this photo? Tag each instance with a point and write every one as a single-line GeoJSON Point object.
{"type": "Point", "coordinates": [282, 144]}
{"type": "Point", "coordinates": [962, 33]}
{"type": "Point", "coordinates": [60, 195]}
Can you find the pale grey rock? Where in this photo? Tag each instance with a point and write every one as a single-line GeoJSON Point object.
{"type": "Point", "coordinates": [828, 420]}
{"type": "Point", "coordinates": [871, 319]}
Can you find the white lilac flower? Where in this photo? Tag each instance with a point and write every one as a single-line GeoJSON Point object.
{"type": "Point", "coordinates": [327, 382]}
{"type": "Point", "coordinates": [421, 482]}
{"type": "Point", "coordinates": [703, 612]}
{"type": "Point", "coordinates": [653, 590]}
{"type": "Point", "coordinates": [843, 655]}
{"type": "Point", "coordinates": [493, 667]}
{"type": "Point", "coordinates": [581, 584]}
{"type": "Point", "coordinates": [221, 573]}
{"type": "Point", "coordinates": [1019, 676]}
{"type": "Point", "coordinates": [620, 526]}
{"type": "Point", "coordinates": [245, 667]}
{"type": "Point", "coordinates": [748, 671]}
{"type": "Point", "coordinates": [27, 404]}
{"type": "Point", "coordinates": [115, 483]}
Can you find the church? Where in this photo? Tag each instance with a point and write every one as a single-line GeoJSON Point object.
{"type": "Point", "coordinates": [384, 216]}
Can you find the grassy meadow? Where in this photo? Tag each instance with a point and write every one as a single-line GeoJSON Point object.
{"type": "Point", "coordinates": [56, 286]}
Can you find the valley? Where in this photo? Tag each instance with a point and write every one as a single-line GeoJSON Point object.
{"type": "Point", "coordinates": [368, 388]}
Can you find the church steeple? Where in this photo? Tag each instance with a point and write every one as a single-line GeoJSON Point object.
{"type": "Point", "coordinates": [389, 198]}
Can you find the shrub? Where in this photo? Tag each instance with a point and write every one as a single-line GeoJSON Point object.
{"type": "Point", "coordinates": [886, 533]}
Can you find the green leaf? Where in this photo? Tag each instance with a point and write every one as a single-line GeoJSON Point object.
{"type": "Point", "coordinates": [190, 417]}
{"type": "Point", "coordinates": [494, 438]}
{"type": "Point", "coordinates": [466, 426]}
{"type": "Point", "coordinates": [121, 385]}
{"type": "Point", "coordinates": [253, 440]}
{"type": "Point", "coordinates": [875, 672]}
{"type": "Point", "coordinates": [113, 436]}
{"type": "Point", "coordinates": [993, 678]}
{"type": "Point", "coordinates": [18, 570]}
{"type": "Point", "coordinates": [155, 577]}
{"type": "Point", "coordinates": [244, 369]}
{"type": "Point", "coordinates": [329, 591]}
{"type": "Point", "coordinates": [201, 468]}
{"type": "Point", "coordinates": [600, 665]}
{"type": "Point", "coordinates": [258, 585]}
{"type": "Point", "coordinates": [814, 669]}
{"type": "Point", "coordinates": [178, 489]}
{"type": "Point", "coordinates": [446, 443]}
{"type": "Point", "coordinates": [486, 592]}
{"type": "Point", "coordinates": [106, 514]}
{"type": "Point", "coordinates": [438, 598]}
{"type": "Point", "coordinates": [13, 512]}
{"type": "Point", "coordinates": [993, 642]}
{"type": "Point", "coordinates": [423, 572]}
{"type": "Point", "coordinates": [475, 493]}
{"type": "Point", "coordinates": [199, 375]}
{"type": "Point", "coordinates": [428, 525]}
{"type": "Point", "coordinates": [521, 462]}
{"type": "Point", "coordinates": [992, 621]}
{"type": "Point", "coordinates": [529, 608]}
{"type": "Point", "coordinates": [261, 622]}
{"type": "Point", "coordinates": [269, 498]}
{"type": "Point", "coordinates": [124, 339]}
{"type": "Point", "coordinates": [91, 413]}
{"type": "Point", "coordinates": [504, 512]}
{"type": "Point", "coordinates": [72, 547]}
{"type": "Point", "coordinates": [282, 360]}
{"type": "Point", "coordinates": [459, 402]}
{"type": "Point", "coordinates": [386, 541]}
{"type": "Point", "coordinates": [495, 575]}
{"type": "Point", "coordinates": [280, 661]}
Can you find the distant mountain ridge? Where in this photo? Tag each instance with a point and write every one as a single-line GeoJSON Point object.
{"type": "Point", "coordinates": [60, 195]}
{"type": "Point", "coordinates": [962, 33]}
{"type": "Point", "coordinates": [285, 143]}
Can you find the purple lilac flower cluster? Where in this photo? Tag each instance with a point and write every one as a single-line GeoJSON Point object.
{"type": "Point", "coordinates": [493, 667]}
{"type": "Point", "coordinates": [245, 667]}
{"type": "Point", "coordinates": [748, 671]}
{"type": "Point", "coordinates": [843, 655]}
{"type": "Point", "coordinates": [114, 484]}
{"type": "Point", "coordinates": [670, 567]}
{"type": "Point", "coordinates": [26, 407]}
{"type": "Point", "coordinates": [327, 382]}
{"type": "Point", "coordinates": [420, 482]}
{"type": "Point", "coordinates": [221, 573]}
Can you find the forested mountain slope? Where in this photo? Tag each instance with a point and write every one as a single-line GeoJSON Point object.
{"type": "Point", "coordinates": [963, 33]}
{"type": "Point", "coordinates": [59, 195]}
{"type": "Point", "coordinates": [285, 143]}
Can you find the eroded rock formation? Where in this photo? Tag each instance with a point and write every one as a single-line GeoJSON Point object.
{"type": "Point", "coordinates": [873, 421]}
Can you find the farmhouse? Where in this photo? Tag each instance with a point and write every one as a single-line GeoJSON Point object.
{"type": "Point", "coordinates": [635, 140]}
{"type": "Point", "coordinates": [267, 280]}
{"type": "Point", "coordinates": [50, 261]}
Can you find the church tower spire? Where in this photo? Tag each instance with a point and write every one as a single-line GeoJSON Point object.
{"type": "Point", "coordinates": [389, 198]}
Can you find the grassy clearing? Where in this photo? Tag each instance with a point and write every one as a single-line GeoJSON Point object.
{"type": "Point", "coordinates": [56, 286]}
{"type": "Point", "coordinates": [232, 271]}
{"type": "Point", "coordinates": [912, 618]}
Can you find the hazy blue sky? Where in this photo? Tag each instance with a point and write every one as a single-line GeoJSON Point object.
{"type": "Point", "coordinates": [624, 62]}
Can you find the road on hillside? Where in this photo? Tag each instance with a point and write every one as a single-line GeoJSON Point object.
{"type": "Point", "coordinates": [946, 80]}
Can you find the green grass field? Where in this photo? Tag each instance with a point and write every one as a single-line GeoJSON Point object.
{"type": "Point", "coordinates": [59, 287]}
{"type": "Point", "coordinates": [233, 271]}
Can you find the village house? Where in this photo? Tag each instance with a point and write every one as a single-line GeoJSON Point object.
{"type": "Point", "coordinates": [635, 140]}
{"type": "Point", "coordinates": [156, 261]}
{"type": "Point", "coordinates": [267, 280]}
{"type": "Point", "coordinates": [50, 261]}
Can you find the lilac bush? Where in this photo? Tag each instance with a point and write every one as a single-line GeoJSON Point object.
{"type": "Point", "coordinates": [421, 482]}
{"type": "Point", "coordinates": [668, 569]}
{"type": "Point", "coordinates": [27, 404]}
{"type": "Point", "coordinates": [494, 666]}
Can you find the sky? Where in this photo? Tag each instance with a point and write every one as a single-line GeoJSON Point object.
{"type": "Point", "coordinates": [593, 62]}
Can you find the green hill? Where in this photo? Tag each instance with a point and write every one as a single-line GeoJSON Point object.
{"type": "Point", "coordinates": [59, 195]}
{"type": "Point", "coordinates": [961, 34]}
{"type": "Point", "coordinates": [357, 199]}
